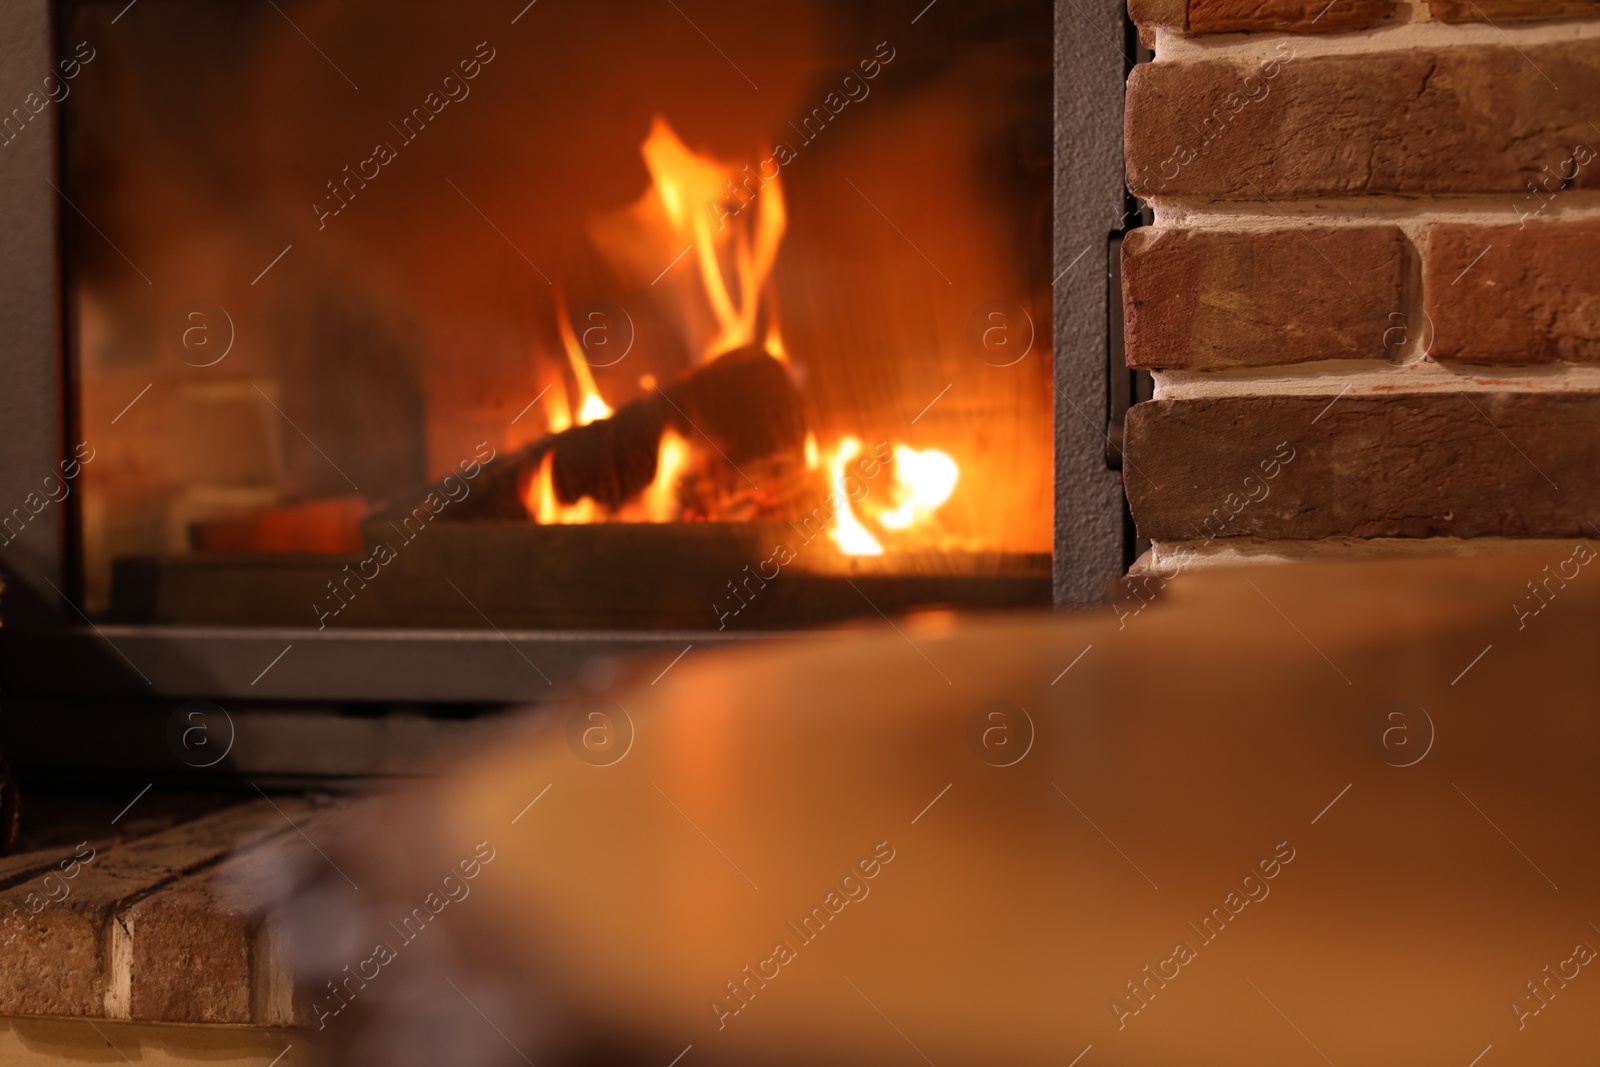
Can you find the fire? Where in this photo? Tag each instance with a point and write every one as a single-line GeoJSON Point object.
{"type": "Point", "coordinates": [592, 406]}
{"type": "Point", "coordinates": [729, 224]}
{"type": "Point", "coordinates": [539, 497]}
{"type": "Point", "coordinates": [847, 532]}
{"type": "Point", "coordinates": [922, 482]}
{"type": "Point", "coordinates": [731, 221]}
{"type": "Point", "coordinates": [540, 500]}
{"type": "Point", "coordinates": [557, 412]}
{"type": "Point", "coordinates": [659, 502]}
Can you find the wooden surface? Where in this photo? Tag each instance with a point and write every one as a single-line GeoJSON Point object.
{"type": "Point", "coordinates": [58, 1042]}
{"type": "Point", "coordinates": [1241, 722]}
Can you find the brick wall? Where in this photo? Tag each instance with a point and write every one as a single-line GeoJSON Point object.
{"type": "Point", "coordinates": [1373, 270]}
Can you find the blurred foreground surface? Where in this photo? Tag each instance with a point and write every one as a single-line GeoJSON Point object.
{"type": "Point", "coordinates": [1338, 813]}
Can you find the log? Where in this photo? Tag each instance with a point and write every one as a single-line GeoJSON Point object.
{"type": "Point", "coordinates": [743, 404]}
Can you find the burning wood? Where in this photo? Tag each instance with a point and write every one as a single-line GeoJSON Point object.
{"type": "Point", "coordinates": [736, 416]}
{"type": "Point", "coordinates": [727, 442]}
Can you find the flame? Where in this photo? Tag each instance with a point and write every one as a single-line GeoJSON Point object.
{"type": "Point", "coordinates": [852, 538]}
{"type": "Point", "coordinates": [773, 342]}
{"type": "Point", "coordinates": [540, 500]}
{"type": "Point", "coordinates": [557, 412]}
{"type": "Point", "coordinates": [733, 222]}
{"type": "Point", "coordinates": [659, 502]}
{"type": "Point", "coordinates": [705, 210]}
{"type": "Point", "coordinates": [592, 406]}
{"type": "Point", "coordinates": [923, 480]}
{"type": "Point", "coordinates": [539, 496]}
{"type": "Point", "coordinates": [558, 415]}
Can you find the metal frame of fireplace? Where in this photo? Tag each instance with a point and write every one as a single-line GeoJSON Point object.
{"type": "Point", "coordinates": [50, 649]}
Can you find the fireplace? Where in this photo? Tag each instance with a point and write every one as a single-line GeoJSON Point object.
{"type": "Point", "coordinates": [388, 331]}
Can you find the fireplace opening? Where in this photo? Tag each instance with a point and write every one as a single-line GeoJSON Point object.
{"type": "Point", "coordinates": [604, 315]}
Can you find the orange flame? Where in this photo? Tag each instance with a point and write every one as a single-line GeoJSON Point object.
{"type": "Point", "coordinates": [923, 481]}
{"type": "Point", "coordinates": [539, 496]}
{"type": "Point", "coordinates": [847, 532]}
{"type": "Point", "coordinates": [557, 412]}
{"type": "Point", "coordinates": [733, 222]}
{"type": "Point", "coordinates": [540, 500]}
{"type": "Point", "coordinates": [703, 203]}
{"type": "Point", "coordinates": [591, 405]}
{"type": "Point", "coordinates": [659, 502]}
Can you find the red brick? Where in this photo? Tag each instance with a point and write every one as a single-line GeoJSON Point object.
{"type": "Point", "coordinates": [1245, 16]}
{"type": "Point", "coordinates": [1148, 14]}
{"type": "Point", "coordinates": [1481, 119]}
{"type": "Point", "coordinates": [1291, 16]}
{"type": "Point", "coordinates": [1515, 294]}
{"type": "Point", "coordinates": [1447, 464]}
{"type": "Point", "coordinates": [1511, 10]}
{"type": "Point", "coordinates": [1206, 299]}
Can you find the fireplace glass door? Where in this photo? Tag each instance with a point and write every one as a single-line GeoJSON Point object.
{"type": "Point", "coordinates": [678, 314]}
